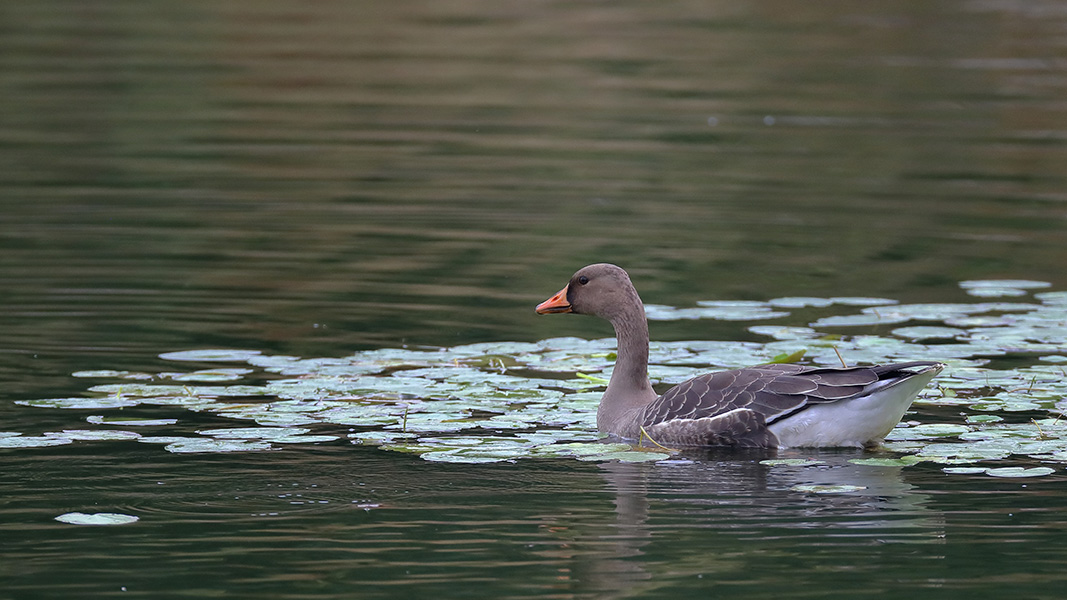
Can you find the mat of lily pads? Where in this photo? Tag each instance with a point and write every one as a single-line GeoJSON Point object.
{"type": "Point", "coordinates": [999, 402]}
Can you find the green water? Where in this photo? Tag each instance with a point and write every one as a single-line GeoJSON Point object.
{"type": "Point", "coordinates": [318, 179]}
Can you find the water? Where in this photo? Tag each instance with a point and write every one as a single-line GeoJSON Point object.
{"type": "Point", "coordinates": [312, 180]}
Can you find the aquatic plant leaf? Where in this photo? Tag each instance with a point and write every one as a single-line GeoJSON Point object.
{"type": "Point", "coordinates": [219, 445]}
{"type": "Point", "coordinates": [928, 332]}
{"type": "Point", "coordinates": [965, 470]}
{"type": "Point", "coordinates": [304, 439]}
{"type": "Point", "coordinates": [81, 403]}
{"type": "Point", "coordinates": [903, 461]}
{"type": "Point", "coordinates": [1020, 471]}
{"type": "Point", "coordinates": [210, 375]}
{"type": "Point", "coordinates": [800, 302]}
{"type": "Point", "coordinates": [128, 422]}
{"type": "Point", "coordinates": [827, 489]}
{"type": "Point", "coordinates": [101, 374]}
{"type": "Point", "coordinates": [33, 441]}
{"type": "Point", "coordinates": [94, 434]}
{"type": "Point", "coordinates": [629, 456]}
{"type": "Point", "coordinates": [253, 433]}
{"type": "Point", "coordinates": [792, 462]}
{"type": "Point", "coordinates": [77, 518]}
{"type": "Point", "coordinates": [780, 332]}
{"type": "Point", "coordinates": [862, 301]}
{"type": "Point", "coordinates": [221, 355]}
{"type": "Point", "coordinates": [1004, 283]}
{"type": "Point", "coordinates": [380, 437]}
{"type": "Point", "coordinates": [859, 320]}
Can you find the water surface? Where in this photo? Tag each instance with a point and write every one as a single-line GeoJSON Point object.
{"type": "Point", "coordinates": [313, 180]}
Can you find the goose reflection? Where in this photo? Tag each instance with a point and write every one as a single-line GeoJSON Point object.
{"type": "Point", "coordinates": [712, 515]}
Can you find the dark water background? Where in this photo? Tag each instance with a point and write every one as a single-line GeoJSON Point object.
{"type": "Point", "coordinates": [316, 178]}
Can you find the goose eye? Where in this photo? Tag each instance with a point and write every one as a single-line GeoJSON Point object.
{"type": "Point", "coordinates": [583, 280]}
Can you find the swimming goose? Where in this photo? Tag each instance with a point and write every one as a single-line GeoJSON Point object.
{"type": "Point", "coordinates": [767, 406]}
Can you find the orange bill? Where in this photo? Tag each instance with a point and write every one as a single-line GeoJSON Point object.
{"type": "Point", "coordinates": [555, 304]}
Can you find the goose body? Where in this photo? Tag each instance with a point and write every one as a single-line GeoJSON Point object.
{"type": "Point", "coordinates": [767, 406]}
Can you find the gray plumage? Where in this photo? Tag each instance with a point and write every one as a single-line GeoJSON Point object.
{"type": "Point", "coordinates": [764, 406]}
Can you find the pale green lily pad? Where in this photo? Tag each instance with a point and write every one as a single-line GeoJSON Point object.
{"type": "Point", "coordinates": [928, 333]}
{"type": "Point", "coordinates": [827, 489]}
{"type": "Point", "coordinates": [927, 431]}
{"type": "Point", "coordinates": [984, 418]}
{"type": "Point", "coordinates": [220, 445]}
{"type": "Point", "coordinates": [800, 302]}
{"type": "Point", "coordinates": [903, 461]}
{"type": "Point", "coordinates": [1020, 471]}
{"type": "Point", "coordinates": [380, 437]}
{"type": "Point", "coordinates": [77, 518]}
{"type": "Point", "coordinates": [304, 439]}
{"type": "Point", "coordinates": [33, 441]}
{"type": "Point", "coordinates": [720, 310]}
{"type": "Point", "coordinates": [862, 301]}
{"type": "Point", "coordinates": [791, 462]}
{"type": "Point", "coordinates": [779, 332]}
{"type": "Point", "coordinates": [254, 433]}
{"type": "Point", "coordinates": [211, 355]}
{"type": "Point", "coordinates": [167, 439]}
{"type": "Point", "coordinates": [94, 434]}
{"type": "Point", "coordinates": [996, 292]}
{"type": "Point", "coordinates": [100, 374]}
{"type": "Point", "coordinates": [128, 422]}
{"type": "Point", "coordinates": [859, 320]}
{"type": "Point", "coordinates": [1004, 283]}
{"type": "Point", "coordinates": [965, 470]}
{"type": "Point", "coordinates": [211, 375]}
{"type": "Point", "coordinates": [629, 456]}
{"type": "Point", "coordinates": [81, 403]}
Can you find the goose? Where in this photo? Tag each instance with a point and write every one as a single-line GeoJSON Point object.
{"type": "Point", "coordinates": [765, 406]}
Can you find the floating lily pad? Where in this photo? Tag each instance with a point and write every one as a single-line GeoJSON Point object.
{"type": "Point", "coordinates": [95, 434]}
{"type": "Point", "coordinates": [100, 373]}
{"type": "Point", "coordinates": [800, 302]}
{"type": "Point", "coordinates": [904, 461]}
{"type": "Point", "coordinates": [862, 301]}
{"type": "Point", "coordinates": [1004, 283]}
{"type": "Point", "coordinates": [210, 375]}
{"type": "Point", "coordinates": [791, 462]}
{"type": "Point", "coordinates": [81, 403]}
{"type": "Point", "coordinates": [827, 489]}
{"type": "Point", "coordinates": [213, 446]}
{"type": "Point", "coordinates": [965, 470]}
{"type": "Point", "coordinates": [1020, 471]}
{"type": "Point", "coordinates": [33, 441]}
{"type": "Point", "coordinates": [211, 355]}
{"type": "Point", "coordinates": [928, 333]}
{"type": "Point", "coordinates": [128, 422]}
{"type": "Point", "coordinates": [77, 518]}
{"type": "Point", "coordinates": [253, 433]}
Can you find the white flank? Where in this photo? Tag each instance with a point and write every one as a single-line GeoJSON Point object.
{"type": "Point", "coordinates": [858, 421]}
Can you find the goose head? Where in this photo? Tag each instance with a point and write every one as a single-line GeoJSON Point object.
{"type": "Point", "coordinates": [602, 290]}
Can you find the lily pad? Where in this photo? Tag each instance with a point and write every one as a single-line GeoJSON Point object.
{"type": "Point", "coordinates": [827, 489]}
{"type": "Point", "coordinates": [221, 355]}
{"type": "Point", "coordinates": [33, 441]}
{"type": "Point", "coordinates": [128, 422]}
{"type": "Point", "coordinates": [215, 446]}
{"type": "Point", "coordinates": [1020, 471]}
{"type": "Point", "coordinates": [82, 403]}
{"type": "Point", "coordinates": [791, 462]}
{"type": "Point", "coordinates": [77, 518]}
